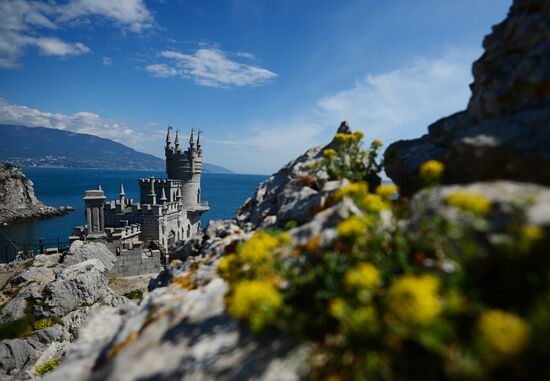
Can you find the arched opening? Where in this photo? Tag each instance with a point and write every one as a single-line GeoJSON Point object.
{"type": "Point", "coordinates": [188, 230]}
{"type": "Point", "coordinates": [199, 196]}
{"type": "Point", "coordinates": [171, 238]}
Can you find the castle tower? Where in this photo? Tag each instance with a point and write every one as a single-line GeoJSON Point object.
{"type": "Point", "coordinates": [187, 167]}
{"type": "Point", "coordinates": [152, 194]}
{"type": "Point", "coordinates": [94, 202]}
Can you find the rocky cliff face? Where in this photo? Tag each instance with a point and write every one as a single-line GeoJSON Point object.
{"type": "Point", "coordinates": [505, 131]}
{"type": "Point", "coordinates": [18, 202]}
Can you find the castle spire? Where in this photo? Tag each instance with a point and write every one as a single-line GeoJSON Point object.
{"type": "Point", "coordinates": [163, 196]}
{"type": "Point", "coordinates": [168, 137]}
{"type": "Point", "coordinates": [122, 194]}
{"type": "Point", "coordinates": [99, 186]}
{"type": "Point", "coordinates": [152, 195]}
{"type": "Point", "coordinates": [177, 141]}
{"type": "Point", "coordinates": [199, 139]}
{"type": "Point", "coordinates": [191, 142]}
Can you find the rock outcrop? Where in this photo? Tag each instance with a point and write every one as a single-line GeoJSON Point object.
{"type": "Point", "coordinates": [59, 292]}
{"type": "Point", "coordinates": [505, 131]}
{"type": "Point", "coordinates": [18, 202]}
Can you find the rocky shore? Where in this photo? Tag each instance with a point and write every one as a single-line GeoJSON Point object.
{"type": "Point", "coordinates": [18, 203]}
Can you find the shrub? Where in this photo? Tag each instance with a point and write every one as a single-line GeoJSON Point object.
{"type": "Point", "coordinates": [47, 367]}
{"type": "Point", "coordinates": [434, 299]}
{"type": "Point", "coordinates": [42, 323]}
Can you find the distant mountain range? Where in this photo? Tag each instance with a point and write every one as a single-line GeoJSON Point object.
{"type": "Point", "coordinates": [49, 147]}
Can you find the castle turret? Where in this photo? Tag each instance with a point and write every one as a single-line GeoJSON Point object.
{"type": "Point", "coordinates": [122, 194]}
{"type": "Point", "coordinates": [152, 195]}
{"type": "Point", "coordinates": [163, 198]}
{"type": "Point", "coordinates": [191, 141]}
{"type": "Point", "coordinates": [177, 141]}
{"type": "Point", "coordinates": [94, 203]}
{"type": "Point", "coordinates": [168, 138]}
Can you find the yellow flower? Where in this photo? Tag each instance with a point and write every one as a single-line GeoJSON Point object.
{"type": "Point", "coordinates": [329, 153]}
{"type": "Point", "coordinates": [42, 323]}
{"type": "Point", "coordinates": [337, 308]}
{"type": "Point", "coordinates": [469, 202]}
{"type": "Point", "coordinates": [532, 233]}
{"type": "Point", "coordinates": [414, 299]}
{"type": "Point", "coordinates": [431, 171]}
{"type": "Point", "coordinates": [386, 191]}
{"type": "Point", "coordinates": [358, 189]}
{"type": "Point", "coordinates": [364, 275]}
{"type": "Point", "coordinates": [374, 203]}
{"type": "Point", "coordinates": [257, 301]}
{"type": "Point", "coordinates": [341, 138]}
{"type": "Point", "coordinates": [358, 135]}
{"type": "Point", "coordinates": [506, 333]}
{"type": "Point", "coordinates": [258, 249]}
{"type": "Point", "coordinates": [225, 265]}
{"type": "Point", "coordinates": [376, 143]}
{"type": "Point", "coordinates": [352, 227]}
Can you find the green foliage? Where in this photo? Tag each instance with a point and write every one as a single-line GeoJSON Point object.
{"type": "Point", "coordinates": [47, 367]}
{"type": "Point", "coordinates": [348, 160]}
{"type": "Point", "coordinates": [20, 327]}
{"type": "Point", "coordinates": [134, 294]}
{"type": "Point", "coordinates": [431, 299]}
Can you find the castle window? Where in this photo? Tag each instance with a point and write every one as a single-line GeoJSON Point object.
{"type": "Point", "coordinates": [199, 196]}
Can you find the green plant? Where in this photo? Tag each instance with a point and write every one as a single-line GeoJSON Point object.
{"type": "Point", "coordinates": [47, 367]}
{"type": "Point", "coordinates": [430, 299]}
{"type": "Point", "coordinates": [42, 323]}
{"type": "Point", "coordinates": [134, 294]}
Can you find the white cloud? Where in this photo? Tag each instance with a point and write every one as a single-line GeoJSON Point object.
{"type": "Point", "coordinates": [106, 61]}
{"type": "Point", "coordinates": [82, 122]}
{"type": "Point", "coordinates": [250, 56]}
{"type": "Point", "coordinates": [397, 104]}
{"type": "Point", "coordinates": [128, 13]}
{"type": "Point", "coordinates": [401, 103]}
{"type": "Point", "coordinates": [210, 67]}
{"type": "Point", "coordinates": [22, 23]}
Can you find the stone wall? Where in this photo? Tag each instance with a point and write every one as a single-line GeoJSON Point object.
{"type": "Point", "coordinates": [136, 262]}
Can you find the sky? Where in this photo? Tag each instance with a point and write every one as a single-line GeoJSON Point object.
{"type": "Point", "coordinates": [263, 80]}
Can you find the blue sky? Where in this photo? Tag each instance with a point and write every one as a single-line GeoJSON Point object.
{"type": "Point", "coordinates": [264, 80]}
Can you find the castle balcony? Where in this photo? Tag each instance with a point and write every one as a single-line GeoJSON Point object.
{"type": "Point", "coordinates": [202, 207]}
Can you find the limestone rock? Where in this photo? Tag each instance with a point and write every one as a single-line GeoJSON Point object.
{"type": "Point", "coordinates": [78, 285]}
{"type": "Point", "coordinates": [17, 199]}
{"type": "Point", "coordinates": [80, 252]}
{"type": "Point", "coordinates": [505, 131]}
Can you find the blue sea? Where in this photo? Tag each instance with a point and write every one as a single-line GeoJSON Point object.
{"type": "Point", "coordinates": [225, 193]}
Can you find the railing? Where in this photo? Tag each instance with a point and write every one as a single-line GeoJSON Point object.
{"type": "Point", "coordinates": [21, 250]}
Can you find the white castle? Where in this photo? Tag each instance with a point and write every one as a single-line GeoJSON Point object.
{"type": "Point", "coordinates": [169, 209]}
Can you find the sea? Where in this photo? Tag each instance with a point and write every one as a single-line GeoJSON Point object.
{"type": "Point", "coordinates": [225, 193]}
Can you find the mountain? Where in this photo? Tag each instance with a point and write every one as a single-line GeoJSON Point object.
{"type": "Point", "coordinates": [49, 147]}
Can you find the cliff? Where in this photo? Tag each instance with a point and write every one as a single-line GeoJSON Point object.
{"type": "Point", "coordinates": [504, 133]}
{"type": "Point", "coordinates": [18, 202]}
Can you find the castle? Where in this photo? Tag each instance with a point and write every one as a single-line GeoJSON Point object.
{"type": "Point", "coordinates": [169, 210]}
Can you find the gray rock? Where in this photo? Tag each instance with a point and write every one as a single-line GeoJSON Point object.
{"type": "Point", "coordinates": [81, 251]}
{"type": "Point", "coordinates": [505, 131]}
{"type": "Point", "coordinates": [79, 285]}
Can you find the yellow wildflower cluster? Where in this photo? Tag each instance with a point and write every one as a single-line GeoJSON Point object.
{"type": "Point", "coordinates": [386, 191]}
{"type": "Point", "coordinates": [414, 299]}
{"type": "Point", "coordinates": [255, 300]}
{"type": "Point", "coordinates": [532, 233]}
{"type": "Point", "coordinates": [259, 248]}
{"type": "Point", "coordinates": [353, 190]}
{"type": "Point", "coordinates": [342, 138]}
{"type": "Point", "coordinates": [352, 227]}
{"type": "Point", "coordinates": [469, 202]}
{"type": "Point", "coordinates": [364, 275]}
{"type": "Point", "coordinates": [376, 143]}
{"type": "Point", "coordinates": [431, 171]}
{"type": "Point", "coordinates": [42, 323]}
{"type": "Point", "coordinates": [329, 153]}
{"type": "Point", "coordinates": [505, 333]}
{"type": "Point", "coordinates": [374, 203]}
